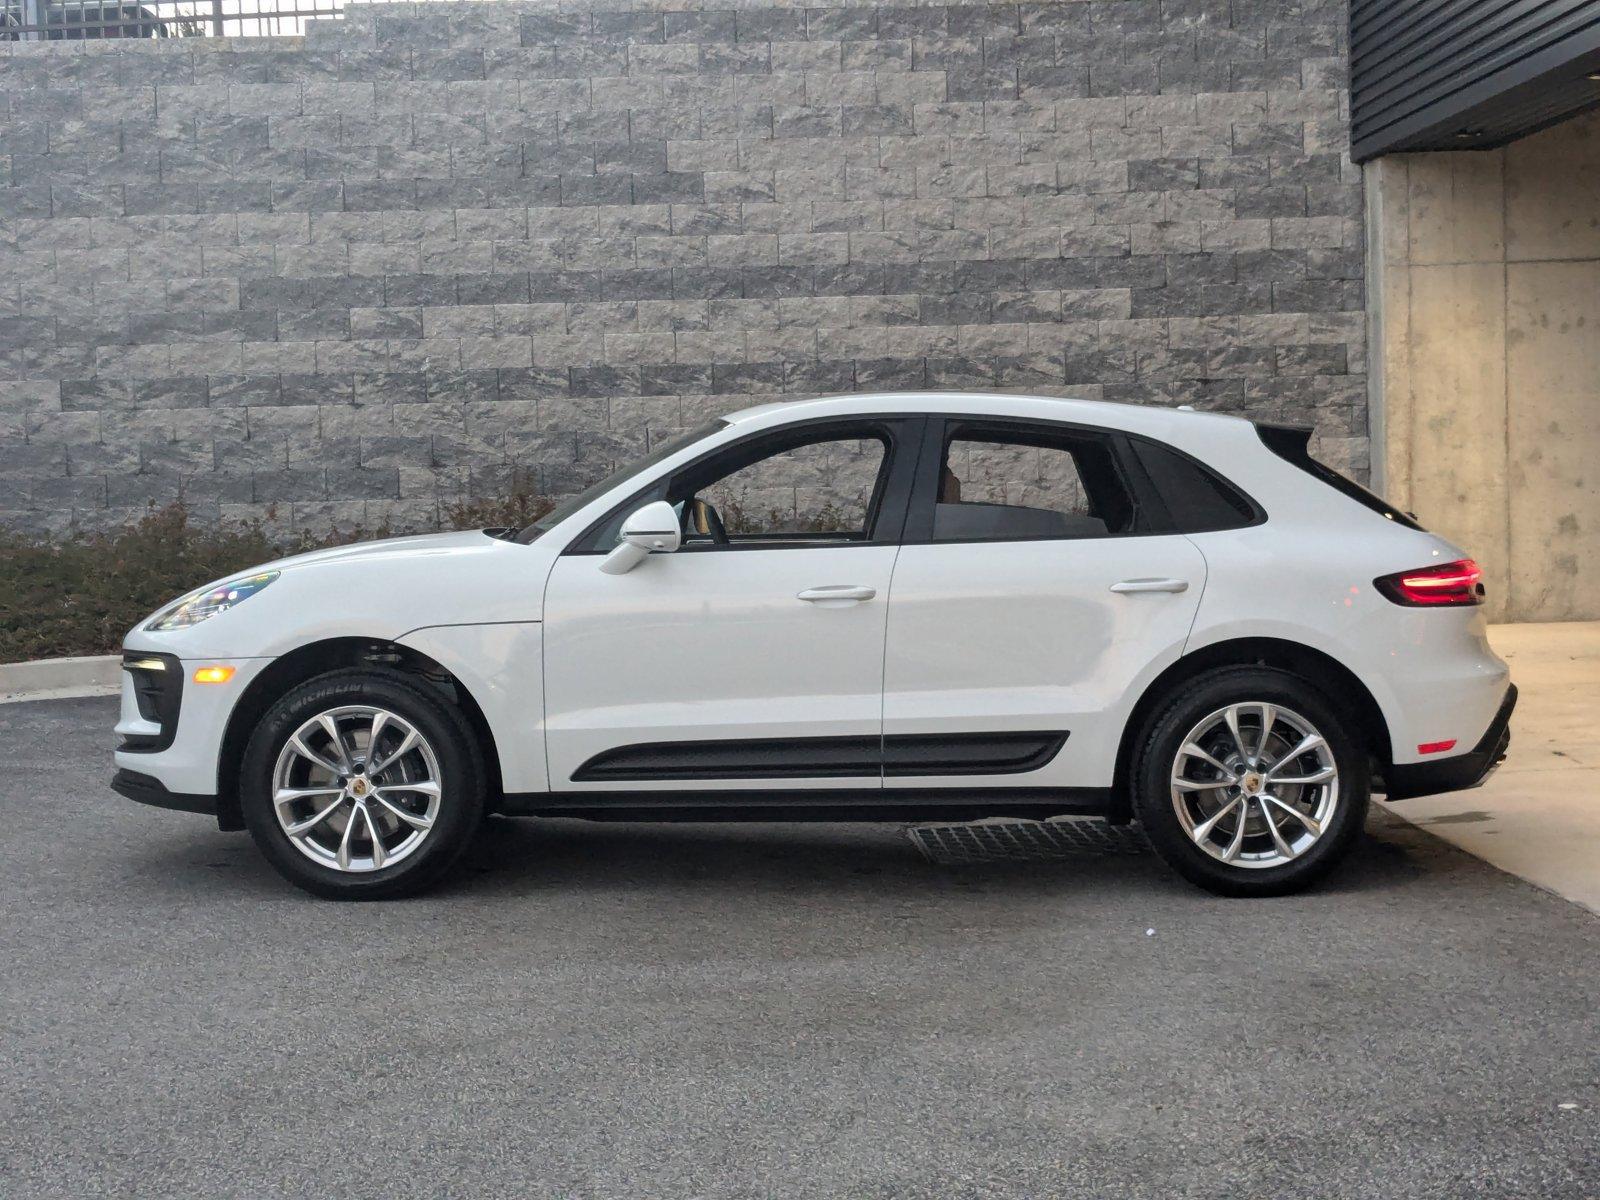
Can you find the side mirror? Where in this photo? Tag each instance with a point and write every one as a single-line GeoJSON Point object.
{"type": "Point", "coordinates": [653, 529]}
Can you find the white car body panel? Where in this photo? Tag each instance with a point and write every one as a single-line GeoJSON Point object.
{"type": "Point", "coordinates": [501, 666]}
{"type": "Point", "coordinates": [705, 647]}
{"type": "Point", "coordinates": [565, 661]}
{"type": "Point", "coordinates": [1028, 635]}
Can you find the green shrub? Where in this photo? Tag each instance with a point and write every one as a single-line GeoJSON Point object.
{"type": "Point", "coordinates": [83, 594]}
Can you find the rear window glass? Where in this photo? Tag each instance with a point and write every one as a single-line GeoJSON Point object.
{"type": "Point", "coordinates": [1196, 500]}
{"type": "Point", "coordinates": [1293, 443]}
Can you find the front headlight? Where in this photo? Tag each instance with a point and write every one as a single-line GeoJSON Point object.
{"type": "Point", "coordinates": [201, 606]}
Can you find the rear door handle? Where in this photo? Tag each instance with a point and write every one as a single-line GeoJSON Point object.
{"type": "Point", "coordinates": [846, 593]}
{"type": "Point", "coordinates": [1128, 586]}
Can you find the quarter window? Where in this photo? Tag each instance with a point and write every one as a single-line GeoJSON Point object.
{"type": "Point", "coordinates": [1004, 484]}
{"type": "Point", "coordinates": [1196, 500]}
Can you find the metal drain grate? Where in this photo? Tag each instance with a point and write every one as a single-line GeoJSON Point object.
{"type": "Point", "coordinates": [1025, 841]}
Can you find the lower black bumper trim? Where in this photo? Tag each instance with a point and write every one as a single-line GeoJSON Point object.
{"type": "Point", "coordinates": [1460, 772]}
{"type": "Point", "coordinates": [148, 790]}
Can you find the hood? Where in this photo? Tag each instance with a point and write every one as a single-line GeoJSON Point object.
{"type": "Point", "coordinates": [372, 589]}
{"type": "Point", "coordinates": [416, 546]}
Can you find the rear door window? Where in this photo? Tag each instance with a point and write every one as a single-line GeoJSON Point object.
{"type": "Point", "coordinates": [1016, 483]}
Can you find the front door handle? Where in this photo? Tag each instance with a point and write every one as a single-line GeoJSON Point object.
{"type": "Point", "coordinates": [1128, 586]}
{"type": "Point", "coordinates": [837, 593]}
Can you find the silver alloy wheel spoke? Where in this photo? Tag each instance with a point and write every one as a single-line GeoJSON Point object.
{"type": "Point", "coordinates": [1246, 817]}
{"type": "Point", "coordinates": [1284, 848]}
{"type": "Point", "coordinates": [1194, 751]}
{"type": "Point", "coordinates": [337, 813]}
{"type": "Point", "coordinates": [1320, 775]}
{"type": "Point", "coordinates": [426, 786]}
{"type": "Point", "coordinates": [300, 828]}
{"type": "Point", "coordinates": [407, 744]}
{"type": "Point", "coordinates": [1237, 841]}
{"type": "Point", "coordinates": [1306, 744]}
{"type": "Point", "coordinates": [410, 819]}
{"type": "Point", "coordinates": [1269, 718]}
{"type": "Point", "coordinates": [344, 842]}
{"type": "Point", "coordinates": [375, 835]}
{"type": "Point", "coordinates": [332, 727]}
{"type": "Point", "coordinates": [310, 755]}
{"type": "Point", "coordinates": [379, 720]}
{"type": "Point", "coordinates": [1232, 720]}
{"type": "Point", "coordinates": [1314, 828]}
{"type": "Point", "coordinates": [290, 795]}
{"type": "Point", "coordinates": [1203, 830]}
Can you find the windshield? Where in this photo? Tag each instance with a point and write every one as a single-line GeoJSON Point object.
{"type": "Point", "coordinates": [572, 504]}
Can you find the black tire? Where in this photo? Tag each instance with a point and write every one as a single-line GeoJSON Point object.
{"type": "Point", "coordinates": [1156, 753]}
{"type": "Point", "coordinates": [461, 778]}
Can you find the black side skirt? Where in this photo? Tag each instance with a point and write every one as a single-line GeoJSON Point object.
{"type": "Point", "coordinates": [812, 804]}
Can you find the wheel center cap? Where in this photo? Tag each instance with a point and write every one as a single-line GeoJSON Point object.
{"type": "Point", "coordinates": [1252, 783]}
{"type": "Point", "coordinates": [358, 787]}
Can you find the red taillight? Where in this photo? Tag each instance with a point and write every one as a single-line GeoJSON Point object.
{"type": "Point", "coordinates": [1427, 587]}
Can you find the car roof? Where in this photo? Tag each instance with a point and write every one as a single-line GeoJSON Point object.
{"type": "Point", "coordinates": [1130, 418]}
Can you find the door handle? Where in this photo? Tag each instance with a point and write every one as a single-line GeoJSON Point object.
{"type": "Point", "coordinates": [1128, 586]}
{"type": "Point", "coordinates": [837, 592]}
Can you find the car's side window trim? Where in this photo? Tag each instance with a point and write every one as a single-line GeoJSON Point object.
{"type": "Point", "coordinates": [901, 433]}
{"type": "Point", "coordinates": [1148, 516]}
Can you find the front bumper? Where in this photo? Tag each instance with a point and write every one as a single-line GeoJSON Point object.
{"type": "Point", "coordinates": [147, 789]}
{"type": "Point", "coordinates": [1460, 771]}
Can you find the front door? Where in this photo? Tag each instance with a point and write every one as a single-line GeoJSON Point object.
{"type": "Point", "coordinates": [752, 657]}
{"type": "Point", "coordinates": [1032, 599]}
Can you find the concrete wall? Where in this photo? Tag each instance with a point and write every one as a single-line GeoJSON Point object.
{"type": "Point", "coordinates": [342, 279]}
{"type": "Point", "coordinates": [1486, 283]}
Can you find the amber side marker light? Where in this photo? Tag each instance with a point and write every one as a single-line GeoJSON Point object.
{"type": "Point", "coordinates": [213, 674]}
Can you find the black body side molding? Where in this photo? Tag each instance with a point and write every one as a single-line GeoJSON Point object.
{"type": "Point", "coordinates": [1001, 753]}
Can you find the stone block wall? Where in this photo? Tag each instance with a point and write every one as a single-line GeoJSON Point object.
{"type": "Point", "coordinates": [341, 280]}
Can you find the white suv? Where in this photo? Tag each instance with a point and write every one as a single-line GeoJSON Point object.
{"type": "Point", "coordinates": [866, 607]}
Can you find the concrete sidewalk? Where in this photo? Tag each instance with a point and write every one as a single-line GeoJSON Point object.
{"type": "Point", "coordinates": [1539, 815]}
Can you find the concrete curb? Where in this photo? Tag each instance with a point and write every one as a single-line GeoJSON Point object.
{"type": "Point", "coordinates": [61, 678]}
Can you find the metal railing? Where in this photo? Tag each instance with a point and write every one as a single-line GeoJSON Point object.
{"type": "Point", "coordinates": [79, 20]}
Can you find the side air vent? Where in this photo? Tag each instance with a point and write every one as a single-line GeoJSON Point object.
{"type": "Point", "coordinates": [158, 691]}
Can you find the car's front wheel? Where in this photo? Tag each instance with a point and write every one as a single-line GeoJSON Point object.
{"type": "Point", "coordinates": [1248, 782]}
{"type": "Point", "coordinates": [362, 784]}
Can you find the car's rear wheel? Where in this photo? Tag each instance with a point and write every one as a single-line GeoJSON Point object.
{"type": "Point", "coordinates": [362, 785]}
{"type": "Point", "coordinates": [1249, 784]}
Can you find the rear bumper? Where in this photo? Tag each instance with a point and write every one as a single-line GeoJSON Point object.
{"type": "Point", "coordinates": [1460, 771]}
{"type": "Point", "coordinates": [147, 789]}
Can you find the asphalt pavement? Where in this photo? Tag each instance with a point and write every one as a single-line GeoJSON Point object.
{"type": "Point", "coordinates": [745, 1011]}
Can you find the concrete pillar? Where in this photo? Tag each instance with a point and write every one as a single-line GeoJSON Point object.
{"type": "Point", "coordinates": [1484, 270]}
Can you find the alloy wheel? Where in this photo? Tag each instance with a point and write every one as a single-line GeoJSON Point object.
{"type": "Point", "coordinates": [1255, 785]}
{"type": "Point", "coordinates": [356, 788]}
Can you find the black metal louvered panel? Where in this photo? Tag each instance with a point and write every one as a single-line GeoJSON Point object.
{"type": "Point", "coordinates": [1467, 74]}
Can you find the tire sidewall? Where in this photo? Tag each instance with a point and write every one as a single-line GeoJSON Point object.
{"type": "Point", "coordinates": [460, 768]}
{"type": "Point", "coordinates": [1159, 747]}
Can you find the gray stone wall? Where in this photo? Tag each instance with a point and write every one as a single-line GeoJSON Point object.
{"type": "Point", "coordinates": [345, 279]}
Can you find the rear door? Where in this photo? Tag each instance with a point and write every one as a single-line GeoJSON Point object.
{"type": "Point", "coordinates": [1034, 597]}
